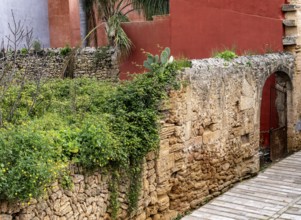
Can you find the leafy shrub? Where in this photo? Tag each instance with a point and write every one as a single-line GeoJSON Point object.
{"type": "Point", "coordinates": [37, 146]}
{"type": "Point", "coordinates": [24, 51]}
{"type": "Point", "coordinates": [85, 121]}
{"type": "Point", "coordinates": [226, 55]}
{"type": "Point", "coordinates": [65, 50]}
{"type": "Point", "coordinates": [37, 47]}
{"type": "Point", "coordinates": [29, 162]}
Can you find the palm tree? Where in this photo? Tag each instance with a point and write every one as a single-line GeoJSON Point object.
{"type": "Point", "coordinates": [114, 12]}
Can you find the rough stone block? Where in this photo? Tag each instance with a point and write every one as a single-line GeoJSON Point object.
{"type": "Point", "coordinates": [210, 137]}
{"type": "Point", "coordinates": [289, 7]}
{"type": "Point", "coordinates": [289, 23]}
{"type": "Point", "coordinates": [289, 40]}
{"type": "Point", "coordinates": [5, 217]}
{"type": "Point", "coordinates": [246, 103]}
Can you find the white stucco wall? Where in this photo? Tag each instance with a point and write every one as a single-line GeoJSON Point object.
{"type": "Point", "coordinates": [33, 12]}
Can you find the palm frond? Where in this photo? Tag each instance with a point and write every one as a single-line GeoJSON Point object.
{"type": "Point", "coordinates": [152, 7]}
{"type": "Point", "coordinates": [118, 36]}
{"type": "Point", "coordinates": [112, 12]}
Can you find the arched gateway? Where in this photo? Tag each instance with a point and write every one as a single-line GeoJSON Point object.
{"type": "Point", "coordinates": [276, 103]}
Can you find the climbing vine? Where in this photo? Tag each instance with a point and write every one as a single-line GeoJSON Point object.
{"type": "Point", "coordinates": [84, 121]}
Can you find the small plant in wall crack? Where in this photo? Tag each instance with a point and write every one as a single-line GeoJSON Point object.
{"type": "Point", "coordinates": [114, 203]}
{"type": "Point", "coordinates": [226, 55]}
{"type": "Point", "coordinates": [65, 50]}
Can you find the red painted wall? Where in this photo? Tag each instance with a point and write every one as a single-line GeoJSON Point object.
{"type": "Point", "coordinates": [74, 22]}
{"type": "Point", "coordinates": [194, 29]}
{"type": "Point", "coordinates": [59, 22]}
{"type": "Point", "coordinates": [198, 27]}
{"type": "Point", "coordinates": [267, 107]}
{"type": "Point", "coordinates": [147, 35]}
{"type": "Point", "coordinates": [64, 23]}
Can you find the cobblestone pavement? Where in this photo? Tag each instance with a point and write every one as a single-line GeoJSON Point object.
{"type": "Point", "coordinates": [273, 194]}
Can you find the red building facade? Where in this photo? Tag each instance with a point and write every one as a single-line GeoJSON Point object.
{"type": "Point", "coordinates": [194, 28]}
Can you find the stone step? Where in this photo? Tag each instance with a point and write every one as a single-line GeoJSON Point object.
{"type": "Point", "coordinates": [289, 40]}
{"type": "Point", "coordinates": [289, 23]}
{"type": "Point", "coordinates": [289, 7]}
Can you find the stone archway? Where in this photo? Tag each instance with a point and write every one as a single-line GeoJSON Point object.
{"type": "Point", "coordinates": [274, 117]}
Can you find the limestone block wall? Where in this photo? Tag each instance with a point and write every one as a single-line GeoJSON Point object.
{"type": "Point", "coordinates": [292, 43]}
{"type": "Point", "coordinates": [209, 141]}
{"type": "Point", "coordinates": [50, 63]}
{"type": "Point", "coordinates": [210, 137]}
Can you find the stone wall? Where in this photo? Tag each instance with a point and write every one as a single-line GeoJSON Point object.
{"type": "Point", "coordinates": [210, 137]}
{"type": "Point", "coordinates": [292, 43]}
{"type": "Point", "coordinates": [209, 141]}
{"type": "Point", "coordinates": [50, 63]}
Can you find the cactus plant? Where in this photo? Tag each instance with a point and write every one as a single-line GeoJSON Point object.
{"type": "Point", "coordinates": [163, 60]}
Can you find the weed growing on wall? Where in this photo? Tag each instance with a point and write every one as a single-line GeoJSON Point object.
{"type": "Point", "coordinates": [84, 121]}
{"type": "Point", "coordinates": [65, 50]}
{"type": "Point", "coordinates": [226, 54]}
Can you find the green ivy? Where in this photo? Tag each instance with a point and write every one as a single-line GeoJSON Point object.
{"type": "Point", "coordinates": [94, 124]}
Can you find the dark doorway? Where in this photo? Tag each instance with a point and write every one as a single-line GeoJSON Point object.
{"type": "Point", "coordinates": [273, 119]}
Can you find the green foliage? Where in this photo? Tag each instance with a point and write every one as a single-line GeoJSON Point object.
{"type": "Point", "coordinates": [152, 61]}
{"type": "Point", "coordinates": [29, 161]}
{"type": "Point", "coordinates": [66, 180]}
{"type": "Point", "coordinates": [65, 50]}
{"type": "Point", "coordinates": [226, 55]}
{"type": "Point", "coordinates": [184, 63]}
{"type": "Point", "coordinates": [24, 51]}
{"type": "Point", "coordinates": [37, 46]}
{"type": "Point", "coordinates": [94, 124]}
{"type": "Point", "coordinates": [117, 36]}
{"type": "Point", "coordinates": [135, 172]}
{"type": "Point", "coordinates": [182, 215]}
{"type": "Point", "coordinates": [152, 7]}
{"type": "Point", "coordinates": [63, 126]}
{"type": "Point", "coordinates": [113, 187]}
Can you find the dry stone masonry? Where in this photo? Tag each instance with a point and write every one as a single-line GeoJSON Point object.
{"type": "Point", "coordinates": [209, 141]}
{"type": "Point", "coordinates": [50, 63]}
{"type": "Point", "coordinates": [292, 43]}
{"type": "Point", "coordinates": [210, 137]}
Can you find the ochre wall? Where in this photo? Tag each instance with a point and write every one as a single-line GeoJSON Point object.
{"type": "Point", "coordinates": [209, 140]}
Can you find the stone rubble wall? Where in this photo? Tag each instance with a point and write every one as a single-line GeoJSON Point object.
{"type": "Point", "coordinates": [293, 32]}
{"type": "Point", "coordinates": [209, 141]}
{"type": "Point", "coordinates": [210, 137]}
{"type": "Point", "coordinates": [50, 63]}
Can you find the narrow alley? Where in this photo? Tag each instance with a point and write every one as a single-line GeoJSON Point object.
{"type": "Point", "coordinates": [273, 194]}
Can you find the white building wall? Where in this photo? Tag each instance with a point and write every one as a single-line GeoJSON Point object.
{"type": "Point", "coordinates": [33, 12]}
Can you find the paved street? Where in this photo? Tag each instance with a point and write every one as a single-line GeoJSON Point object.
{"type": "Point", "coordinates": [273, 194]}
